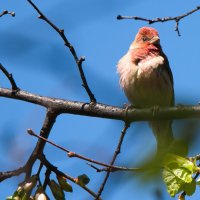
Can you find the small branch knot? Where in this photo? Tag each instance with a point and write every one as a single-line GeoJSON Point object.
{"type": "Point", "coordinates": [40, 17]}
{"type": "Point", "coordinates": [61, 31]}
{"type": "Point", "coordinates": [119, 17]}
{"type": "Point", "coordinates": [81, 60]}
{"type": "Point", "coordinates": [12, 14]}
{"type": "Point", "coordinates": [71, 154]}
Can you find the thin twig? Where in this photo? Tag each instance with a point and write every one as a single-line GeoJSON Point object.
{"type": "Point", "coordinates": [10, 78]}
{"type": "Point", "coordinates": [73, 154]}
{"type": "Point", "coordinates": [39, 169]}
{"type": "Point", "coordinates": [72, 50]}
{"type": "Point", "coordinates": [164, 19]}
{"type": "Point", "coordinates": [94, 167]}
{"type": "Point", "coordinates": [114, 168]}
{"type": "Point", "coordinates": [117, 151]}
{"type": "Point", "coordinates": [60, 173]}
{"type": "Point", "coordinates": [46, 180]}
{"type": "Point", "coordinates": [38, 173]}
{"type": "Point", "coordinates": [5, 12]}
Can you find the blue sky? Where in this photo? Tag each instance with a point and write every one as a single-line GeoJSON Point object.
{"type": "Point", "coordinates": [41, 64]}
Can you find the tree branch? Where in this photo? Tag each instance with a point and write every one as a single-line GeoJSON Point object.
{"type": "Point", "coordinates": [117, 151]}
{"type": "Point", "coordinates": [58, 172]}
{"type": "Point", "coordinates": [72, 154]}
{"type": "Point", "coordinates": [10, 78]}
{"type": "Point", "coordinates": [62, 106]}
{"type": "Point", "coordinates": [72, 50]}
{"type": "Point", "coordinates": [45, 131]}
{"type": "Point", "coordinates": [164, 19]}
{"type": "Point", "coordinates": [5, 12]}
{"type": "Point", "coordinates": [8, 174]}
{"type": "Point", "coordinates": [57, 106]}
{"type": "Point", "coordinates": [46, 180]}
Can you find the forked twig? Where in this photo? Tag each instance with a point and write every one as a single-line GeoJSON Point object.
{"type": "Point", "coordinates": [79, 61]}
{"type": "Point", "coordinates": [5, 12]}
{"type": "Point", "coordinates": [117, 151]}
{"type": "Point", "coordinates": [164, 19]}
{"type": "Point", "coordinates": [10, 78]}
{"type": "Point", "coordinates": [73, 154]}
{"type": "Point", "coordinates": [54, 169]}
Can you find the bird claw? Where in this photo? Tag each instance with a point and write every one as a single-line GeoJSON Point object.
{"type": "Point", "coordinates": [125, 105]}
{"type": "Point", "coordinates": [126, 108]}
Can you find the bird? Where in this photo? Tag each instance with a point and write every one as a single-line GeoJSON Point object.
{"type": "Point", "coordinates": [147, 80]}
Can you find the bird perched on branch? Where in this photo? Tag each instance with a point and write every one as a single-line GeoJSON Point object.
{"type": "Point", "coordinates": [146, 78]}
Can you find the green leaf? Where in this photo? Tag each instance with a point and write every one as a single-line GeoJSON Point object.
{"type": "Point", "coordinates": [13, 198]}
{"type": "Point", "coordinates": [174, 184]}
{"type": "Point", "coordinates": [184, 174]}
{"type": "Point", "coordinates": [64, 184]}
{"type": "Point", "coordinates": [172, 159]}
{"type": "Point", "coordinates": [190, 188]}
{"type": "Point", "coordinates": [25, 196]}
{"type": "Point", "coordinates": [82, 180]}
{"type": "Point", "coordinates": [56, 190]}
{"type": "Point", "coordinates": [19, 194]}
{"type": "Point", "coordinates": [9, 198]}
{"type": "Point", "coordinates": [177, 174]}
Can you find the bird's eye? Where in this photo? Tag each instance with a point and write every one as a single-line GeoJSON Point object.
{"type": "Point", "coordinates": [144, 39]}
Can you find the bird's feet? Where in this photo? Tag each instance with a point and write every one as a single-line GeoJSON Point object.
{"type": "Point", "coordinates": [126, 108]}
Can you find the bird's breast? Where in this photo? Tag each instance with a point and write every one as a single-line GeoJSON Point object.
{"type": "Point", "coordinates": [146, 83]}
{"type": "Point", "coordinates": [147, 66]}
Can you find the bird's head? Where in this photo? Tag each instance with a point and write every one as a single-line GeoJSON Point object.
{"type": "Point", "coordinates": [146, 37]}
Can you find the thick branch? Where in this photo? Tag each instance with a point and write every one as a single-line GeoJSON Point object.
{"type": "Point", "coordinates": [45, 130]}
{"type": "Point", "coordinates": [72, 50]}
{"type": "Point", "coordinates": [164, 19]}
{"type": "Point", "coordinates": [103, 110]}
{"type": "Point", "coordinates": [8, 174]}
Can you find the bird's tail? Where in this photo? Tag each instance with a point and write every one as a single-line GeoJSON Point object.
{"type": "Point", "coordinates": [163, 133]}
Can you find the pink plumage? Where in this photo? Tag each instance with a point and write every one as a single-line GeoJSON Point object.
{"type": "Point", "coordinates": [146, 78]}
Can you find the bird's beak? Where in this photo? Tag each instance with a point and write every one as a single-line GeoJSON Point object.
{"type": "Point", "coordinates": [155, 40]}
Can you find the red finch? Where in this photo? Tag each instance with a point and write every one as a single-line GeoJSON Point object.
{"type": "Point", "coordinates": [146, 78]}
